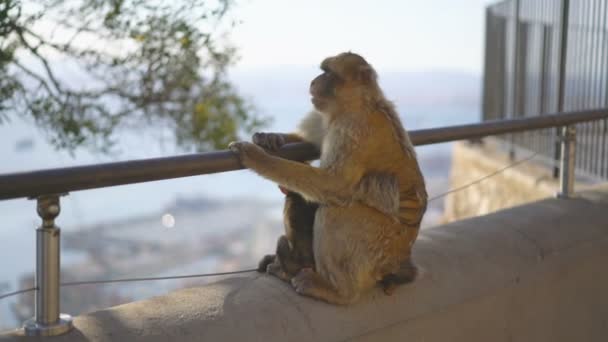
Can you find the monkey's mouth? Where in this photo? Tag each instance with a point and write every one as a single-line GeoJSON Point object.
{"type": "Point", "coordinates": [317, 101]}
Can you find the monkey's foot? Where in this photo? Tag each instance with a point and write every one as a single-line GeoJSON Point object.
{"type": "Point", "coordinates": [406, 274]}
{"type": "Point", "coordinates": [266, 260]}
{"type": "Point", "coordinates": [309, 283]}
{"type": "Point", "coordinates": [303, 282]}
{"type": "Point", "coordinates": [389, 288]}
{"type": "Point", "coordinates": [276, 270]}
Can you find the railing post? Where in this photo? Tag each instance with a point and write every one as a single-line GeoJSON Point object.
{"type": "Point", "coordinates": [48, 321]}
{"type": "Point", "coordinates": [566, 175]}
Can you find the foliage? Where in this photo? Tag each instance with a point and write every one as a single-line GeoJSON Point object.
{"type": "Point", "coordinates": [84, 68]}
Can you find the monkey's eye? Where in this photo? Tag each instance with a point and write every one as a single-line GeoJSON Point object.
{"type": "Point", "coordinates": [333, 76]}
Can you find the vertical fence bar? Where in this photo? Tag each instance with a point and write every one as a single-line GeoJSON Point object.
{"type": "Point", "coordinates": [563, 48]}
{"type": "Point", "coordinates": [596, 86]}
{"type": "Point", "coordinates": [514, 72]}
{"type": "Point", "coordinates": [48, 321]}
{"type": "Point", "coordinates": [488, 105]}
{"type": "Point", "coordinates": [566, 176]}
{"type": "Point", "coordinates": [544, 72]}
{"type": "Point", "coordinates": [543, 77]}
{"type": "Point", "coordinates": [539, 28]}
{"type": "Point", "coordinates": [604, 163]}
{"type": "Point", "coordinates": [578, 67]}
{"type": "Point", "coordinates": [587, 23]}
{"type": "Point", "coordinates": [604, 89]}
{"type": "Point", "coordinates": [599, 143]}
{"type": "Point", "coordinates": [552, 72]}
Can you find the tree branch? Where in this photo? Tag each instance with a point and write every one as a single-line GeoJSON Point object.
{"type": "Point", "coordinates": [39, 78]}
{"type": "Point", "coordinates": [43, 60]}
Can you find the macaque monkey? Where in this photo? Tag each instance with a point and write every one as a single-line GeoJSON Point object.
{"type": "Point", "coordinates": [294, 249]}
{"type": "Point", "coordinates": [368, 187]}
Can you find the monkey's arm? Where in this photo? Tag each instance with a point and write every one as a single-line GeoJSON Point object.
{"type": "Point", "coordinates": [315, 184]}
{"type": "Point", "coordinates": [273, 141]}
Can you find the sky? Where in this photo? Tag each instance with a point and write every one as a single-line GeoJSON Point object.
{"type": "Point", "coordinates": [396, 35]}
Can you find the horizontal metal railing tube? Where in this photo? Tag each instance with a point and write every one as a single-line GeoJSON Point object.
{"type": "Point", "coordinates": [496, 127]}
{"type": "Point", "coordinates": [61, 180]}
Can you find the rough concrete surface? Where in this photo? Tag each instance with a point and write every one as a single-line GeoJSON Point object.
{"type": "Point", "coordinates": [536, 272]}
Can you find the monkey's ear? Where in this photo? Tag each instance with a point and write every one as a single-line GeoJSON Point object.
{"type": "Point", "coordinates": [366, 74]}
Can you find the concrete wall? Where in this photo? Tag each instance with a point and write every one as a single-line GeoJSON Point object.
{"type": "Point", "coordinates": [531, 273]}
{"type": "Point", "coordinates": [522, 184]}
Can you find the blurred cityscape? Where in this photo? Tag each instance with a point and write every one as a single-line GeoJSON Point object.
{"type": "Point", "coordinates": [242, 231]}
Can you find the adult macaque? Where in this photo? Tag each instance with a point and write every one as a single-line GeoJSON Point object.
{"type": "Point", "coordinates": [368, 186]}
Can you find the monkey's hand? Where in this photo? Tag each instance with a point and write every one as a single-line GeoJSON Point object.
{"type": "Point", "coordinates": [269, 141]}
{"type": "Point", "coordinates": [249, 154]}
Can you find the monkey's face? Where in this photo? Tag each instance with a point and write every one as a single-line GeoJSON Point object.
{"type": "Point", "coordinates": [343, 78]}
{"type": "Point", "coordinates": [324, 88]}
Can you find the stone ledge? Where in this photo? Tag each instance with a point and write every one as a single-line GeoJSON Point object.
{"type": "Point", "coordinates": [530, 273]}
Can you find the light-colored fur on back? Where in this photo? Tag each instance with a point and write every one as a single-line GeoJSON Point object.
{"type": "Point", "coordinates": [380, 191]}
{"type": "Point", "coordinates": [313, 128]}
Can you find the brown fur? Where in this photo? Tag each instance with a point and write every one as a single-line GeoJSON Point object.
{"type": "Point", "coordinates": [355, 244]}
{"type": "Point", "coordinates": [294, 249]}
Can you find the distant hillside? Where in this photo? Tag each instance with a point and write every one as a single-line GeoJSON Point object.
{"type": "Point", "coordinates": [420, 88]}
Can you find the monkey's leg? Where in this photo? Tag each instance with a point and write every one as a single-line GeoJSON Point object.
{"type": "Point", "coordinates": [333, 280]}
{"type": "Point", "coordinates": [294, 249]}
{"type": "Point", "coordinates": [354, 248]}
{"type": "Point", "coordinates": [310, 283]}
{"type": "Point", "coordinates": [407, 270]}
{"type": "Point", "coordinates": [285, 257]}
{"type": "Point", "coordinates": [277, 268]}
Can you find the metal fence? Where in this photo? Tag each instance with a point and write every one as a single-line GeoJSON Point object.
{"type": "Point", "coordinates": [547, 56]}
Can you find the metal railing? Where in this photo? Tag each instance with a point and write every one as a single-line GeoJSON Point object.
{"type": "Point", "coordinates": [62, 180]}
{"type": "Point", "coordinates": [547, 56]}
{"type": "Point", "coordinates": [46, 186]}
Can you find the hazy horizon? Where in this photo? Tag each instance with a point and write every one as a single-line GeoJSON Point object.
{"type": "Point", "coordinates": [393, 35]}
